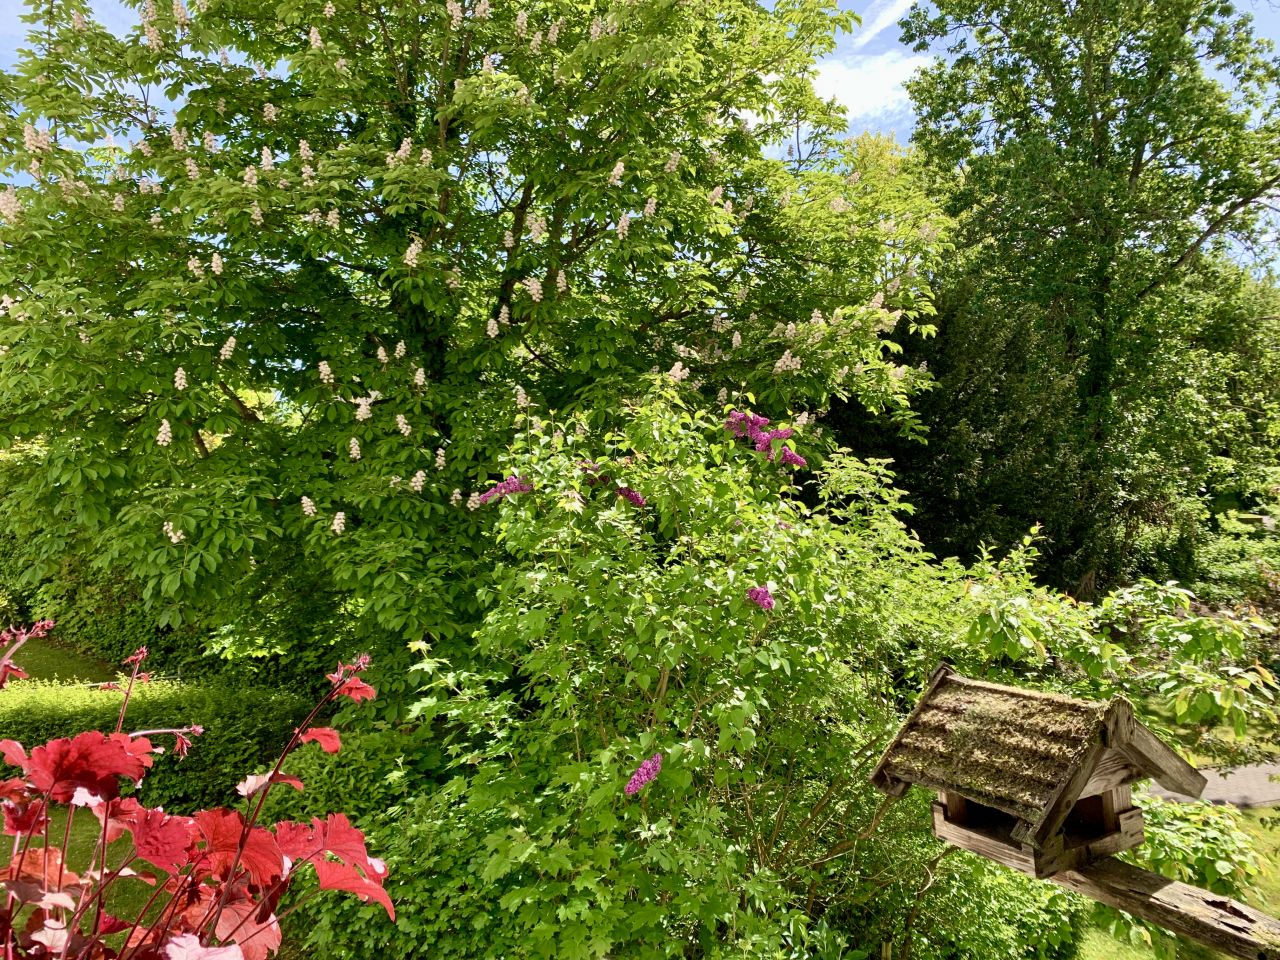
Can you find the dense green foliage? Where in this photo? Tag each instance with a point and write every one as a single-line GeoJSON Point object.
{"type": "Point", "coordinates": [1102, 368]}
{"type": "Point", "coordinates": [270, 341]}
{"type": "Point", "coordinates": [245, 728]}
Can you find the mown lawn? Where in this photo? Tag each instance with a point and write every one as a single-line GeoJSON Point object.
{"type": "Point", "coordinates": [1100, 945]}
{"type": "Point", "coordinates": [48, 660]}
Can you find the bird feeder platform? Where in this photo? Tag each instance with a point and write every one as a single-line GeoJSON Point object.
{"type": "Point", "coordinates": [1041, 783]}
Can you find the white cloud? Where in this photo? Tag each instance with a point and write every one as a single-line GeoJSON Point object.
{"type": "Point", "coordinates": [869, 86]}
{"type": "Point", "coordinates": [882, 16]}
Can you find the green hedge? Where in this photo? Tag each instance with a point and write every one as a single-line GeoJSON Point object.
{"type": "Point", "coordinates": [245, 728]}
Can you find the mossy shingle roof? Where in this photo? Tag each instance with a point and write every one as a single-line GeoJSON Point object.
{"type": "Point", "coordinates": [1003, 747]}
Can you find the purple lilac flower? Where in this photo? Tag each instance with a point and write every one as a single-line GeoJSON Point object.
{"type": "Point", "coordinates": [647, 772]}
{"type": "Point", "coordinates": [763, 440]}
{"type": "Point", "coordinates": [512, 484]}
{"type": "Point", "coordinates": [742, 424]}
{"type": "Point", "coordinates": [632, 496]}
{"type": "Point", "coordinates": [790, 458]}
{"type": "Point", "coordinates": [761, 597]}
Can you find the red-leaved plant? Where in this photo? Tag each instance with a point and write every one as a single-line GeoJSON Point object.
{"type": "Point", "coordinates": [218, 877]}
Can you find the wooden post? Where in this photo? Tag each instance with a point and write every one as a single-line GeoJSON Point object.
{"type": "Point", "coordinates": [1216, 921]}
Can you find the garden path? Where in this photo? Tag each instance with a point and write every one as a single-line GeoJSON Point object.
{"type": "Point", "coordinates": [1251, 786]}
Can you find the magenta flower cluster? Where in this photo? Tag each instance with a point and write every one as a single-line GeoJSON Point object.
{"type": "Point", "coordinates": [751, 426]}
{"type": "Point", "coordinates": [512, 484]}
{"type": "Point", "coordinates": [647, 772]}
{"type": "Point", "coordinates": [632, 496]}
{"type": "Point", "coordinates": [761, 597]}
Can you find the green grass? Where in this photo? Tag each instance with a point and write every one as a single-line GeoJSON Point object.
{"type": "Point", "coordinates": [47, 660]}
{"type": "Point", "coordinates": [1098, 944]}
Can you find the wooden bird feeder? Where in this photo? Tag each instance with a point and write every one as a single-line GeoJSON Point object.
{"type": "Point", "coordinates": [1042, 783]}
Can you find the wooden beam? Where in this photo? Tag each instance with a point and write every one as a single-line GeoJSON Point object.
{"type": "Point", "coordinates": [1227, 925]}
{"type": "Point", "coordinates": [1163, 763]}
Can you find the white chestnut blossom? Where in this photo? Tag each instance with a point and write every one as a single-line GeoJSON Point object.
{"type": "Point", "coordinates": [411, 254]}
{"type": "Point", "coordinates": [353, 448]}
{"type": "Point", "coordinates": [251, 176]}
{"type": "Point", "coordinates": [418, 481]}
{"type": "Point", "coordinates": [673, 162]}
{"type": "Point", "coordinates": [180, 13]}
{"type": "Point", "coordinates": [402, 424]}
{"type": "Point", "coordinates": [215, 264]}
{"type": "Point", "coordinates": [268, 161]}
{"type": "Point", "coordinates": [333, 220]}
{"type": "Point", "coordinates": [737, 339]}
{"type": "Point", "coordinates": [522, 24]}
{"type": "Point", "coordinates": [679, 372]}
{"type": "Point", "coordinates": [10, 205]}
{"type": "Point", "coordinates": [716, 194]}
{"type": "Point", "coordinates": [339, 522]}
{"type": "Point", "coordinates": [227, 350]}
{"type": "Point", "coordinates": [314, 37]}
{"type": "Point", "coordinates": [535, 42]}
{"type": "Point", "coordinates": [326, 374]}
{"type": "Point", "coordinates": [473, 501]}
{"type": "Point", "coordinates": [534, 286]}
{"type": "Point", "coordinates": [382, 354]}
{"type": "Point", "coordinates": [175, 535]}
{"type": "Point", "coordinates": [329, 9]}
{"type": "Point", "coordinates": [255, 213]}
{"type": "Point", "coordinates": [522, 398]}
{"type": "Point", "coordinates": [269, 114]}
{"type": "Point", "coordinates": [308, 507]}
{"type": "Point", "coordinates": [439, 458]}
{"type": "Point", "coordinates": [508, 240]}
{"type": "Point", "coordinates": [562, 282]}
{"type": "Point", "coordinates": [164, 436]}
{"type": "Point", "coordinates": [420, 377]}
{"type": "Point", "coordinates": [722, 396]}
{"type": "Point", "coordinates": [486, 65]}
{"type": "Point", "coordinates": [615, 176]}
{"type": "Point", "coordinates": [178, 137]}
{"type": "Point", "coordinates": [624, 226]}
{"type": "Point", "coordinates": [455, 12]}
{"type": "Point", "coordinates": [651, 206]}
{"type": "Point", "coordinates": [787, 363]}
{"type": "Point", "coordinates": [504, 315]}
{"type": "Point", "coordinates": [180, 379]}
{"type": "Point", "coordinates": [491, 328]}
{"type": "Point", "coordinates": [210, 141]}
{"type": "Point", "coordinates": [195, 266]}
{"type": "Point", "coordinates": [553, 33]}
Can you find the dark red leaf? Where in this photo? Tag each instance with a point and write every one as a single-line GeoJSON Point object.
{"type": "Point", "coordinates": [164, 840]}
{"type": "Point", "coordinates": [341, 876]}
{"type": "Point", "coordinates": [357, 690]}
{"type": "Point", "coordinates": [327, 737]}
{"type": "Point", "coordinates": [221, 830]}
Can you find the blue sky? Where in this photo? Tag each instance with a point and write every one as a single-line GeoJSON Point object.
{"type": "Point", "coordinates": [867, 70]}
{"type": "Point", "coordinates": [865, 73]}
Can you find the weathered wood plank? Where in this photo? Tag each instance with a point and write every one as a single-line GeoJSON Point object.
{"type": "Point", "coordinates": [1163, 763]}
{"type": "Point", "coordinates": [1216, 921]}
{"type": "Point", "coordinates": [1113, 770]}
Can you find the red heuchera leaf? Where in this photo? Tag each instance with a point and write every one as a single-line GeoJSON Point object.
{"type": "Point", "coordinates": [8, 670]}
{"type": "Point", "coordinates": [44, 866]}
{"type": "Point", "coordinates": [357, 690]}
{"type": "Point", "coordinates": [24, 818]}
{"type": "Point", "coordinates": [341, 876]}
{"type": "Point", "coordinates": [221, 830]}
{"type": "Point", "coordinates": [251, 785]}
{"type": "Point", "coordinates": [91, 762]}
{"type": "Point", "coordinates": [327, 737]}
{"type": "Point", "coordinates": [13, 789]}
{"type": "Point", "coordinates": [14, 754]}
{"type": "Point", "coordinates": [107, 925]}
{"type": "Point", "coordinates": [120, 816]}
{"type": "Point", "coordinates": [187, 946]}
{"type": "Point", "coordinates": [164, 840]}
{"type": "Point", "coordinates": [257, 938]}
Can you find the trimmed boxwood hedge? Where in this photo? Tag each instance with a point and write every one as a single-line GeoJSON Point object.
{"type": "Point", "coordinates": [245, 728]}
